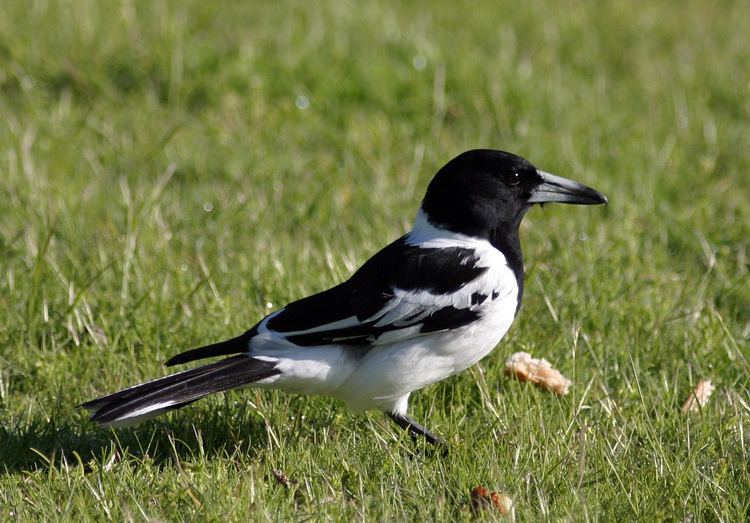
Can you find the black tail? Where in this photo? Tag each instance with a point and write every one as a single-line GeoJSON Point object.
{"type": "Point", "coordinates": [177, 390]}
{"type": "Point", "coordinates": [223, 348]}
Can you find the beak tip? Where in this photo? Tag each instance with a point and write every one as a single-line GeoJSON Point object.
{"type": "Point", "coordinates": [557, 189]}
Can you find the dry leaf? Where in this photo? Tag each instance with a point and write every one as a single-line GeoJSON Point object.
{"type": "Point", "coordinates": [483, 499]}
{"type": "Point", "coordinates": [281, 478]}
{"type": "Point", "coordinates": [539, 372]}
{"type": "Point", "coordinates": [288, 484]}
{"type": "Point", "coordinates": [699, 397]}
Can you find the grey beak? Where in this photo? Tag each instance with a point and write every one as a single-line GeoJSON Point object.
{"type": "Point", "coordinates": [557, 189]}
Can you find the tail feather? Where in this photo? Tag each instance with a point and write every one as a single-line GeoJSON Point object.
{"type": "Point", "coordinates": [223, 348]}
{"type": "Point", "coordinates": [177, 390]}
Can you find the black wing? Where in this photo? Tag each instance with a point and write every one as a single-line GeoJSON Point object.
{"type": "Point", "coordinates": [401, 292]}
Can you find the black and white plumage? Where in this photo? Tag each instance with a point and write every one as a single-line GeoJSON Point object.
{"type": "Point", "coordinates": [426, 307]}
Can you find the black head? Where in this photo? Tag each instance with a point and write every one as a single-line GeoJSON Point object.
{"type": "Point", "coordinates": [484, 193]}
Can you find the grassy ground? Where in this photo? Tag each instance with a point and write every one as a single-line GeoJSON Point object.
{"type": "Point", "coordinates": [171, 171]}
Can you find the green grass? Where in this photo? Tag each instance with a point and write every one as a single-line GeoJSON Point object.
{"type": "Point", "coordinates": [160, 188]}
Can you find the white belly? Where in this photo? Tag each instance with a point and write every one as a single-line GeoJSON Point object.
{"type": "Point", "coordinates": [387, 373]}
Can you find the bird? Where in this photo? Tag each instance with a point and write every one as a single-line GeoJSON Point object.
{"type": "Point", "coordinates": [426, 307]}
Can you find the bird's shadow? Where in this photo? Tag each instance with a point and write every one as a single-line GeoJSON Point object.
{"type": "Point", "coordinates": [66, 438]}
{"type": "Point", "coordinates": [42, 443]}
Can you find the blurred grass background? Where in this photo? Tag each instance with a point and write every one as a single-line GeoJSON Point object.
{"type": "Point", "coordinates": [172, 171]}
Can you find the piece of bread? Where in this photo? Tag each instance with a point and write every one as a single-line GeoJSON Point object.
{"type": "Point", "coordinates": [537, 371]}
{"type": "Point", "coordinates": [699, 397]}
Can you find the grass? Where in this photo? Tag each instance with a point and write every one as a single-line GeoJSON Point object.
{"type": "Point", "coordinates": [171, 171]}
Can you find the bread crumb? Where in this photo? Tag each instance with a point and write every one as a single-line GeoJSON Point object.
{"type": "Point", "coordinates": [698, 399]}
{"type": "Point", "coordinates": [539, 372]}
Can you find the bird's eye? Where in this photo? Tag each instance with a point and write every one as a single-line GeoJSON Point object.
{"type": "Point", "coordinates": [510, 178]}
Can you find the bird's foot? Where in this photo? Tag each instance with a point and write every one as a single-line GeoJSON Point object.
{"type": "Point", "coordinates": [416, 430]}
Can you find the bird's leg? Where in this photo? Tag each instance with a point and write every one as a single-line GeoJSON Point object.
{"type": "Point", "coordinates": [408, 423]}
